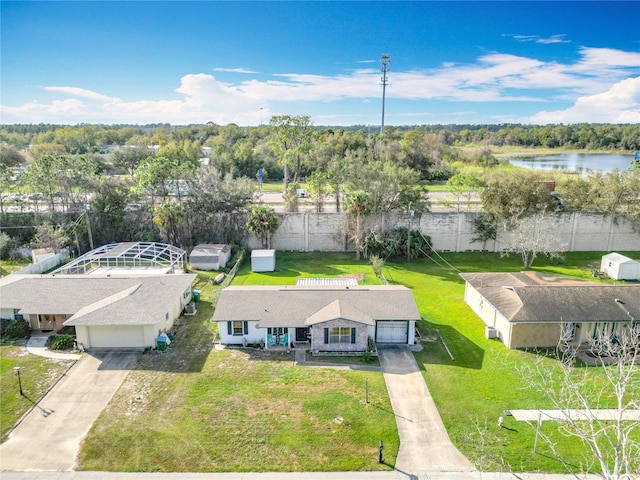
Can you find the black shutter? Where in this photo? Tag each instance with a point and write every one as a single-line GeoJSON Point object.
{"type": "Point", "coordinates": [245, 327]}
{"type": "Point", "coordinates": [326, 336]}
{"type": "Point", "coordinates": [229, 329]}
{"type": "Point", "coordinates": [353, 335]}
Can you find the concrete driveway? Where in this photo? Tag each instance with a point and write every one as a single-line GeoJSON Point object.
{"type": "Point", "coordinates": [424, 442]}
{"type": "Point", "coordinates": [49, 437]}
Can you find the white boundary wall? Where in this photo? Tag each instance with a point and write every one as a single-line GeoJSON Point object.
{"type": "Point", "coordinates": [46, 264]}
{"type": "Point", "coordinates": [449, 231]}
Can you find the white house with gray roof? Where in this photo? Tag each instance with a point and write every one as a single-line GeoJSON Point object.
{"type": "Point", "coordinates": [107, 312]}
{"type": "Point", "coordinates": [330, 318]}
{"type": "Point", "coordinates": [530, 309]}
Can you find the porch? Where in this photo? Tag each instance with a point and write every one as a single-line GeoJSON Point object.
{"type": "Point", "coordinates": [287, 337]}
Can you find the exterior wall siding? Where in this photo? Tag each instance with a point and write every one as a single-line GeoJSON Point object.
{"type": "Point", "coordinates": [524, 335]}
{"type": "Point", "coordinates": [317, 337]}
{"type": "Point", "coordinates": [254, 334]}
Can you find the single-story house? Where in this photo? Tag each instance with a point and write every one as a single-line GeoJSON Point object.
{"type": "Point", "coordinates": [329, 318]}
{"type": "Point", "coordinates": [619, 267]}
{"type": "Point", "coordinates": [107, 312]}
{"type": "Point", "coordinates": [530, 309]}
{"type": "Point", "coordinates": [263, 260]}
{"type": "Point", "coordinates": [210, 256]}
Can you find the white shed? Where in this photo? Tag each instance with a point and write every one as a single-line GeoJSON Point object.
{"type": "Point", "coordinates": [209, 256]}
{"type": "Point", "coordinates": [619, 267]}
{"type": "Point", "coordinates": [263, 260]}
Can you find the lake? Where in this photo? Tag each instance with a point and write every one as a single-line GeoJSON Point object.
{"type": "Point", "coordinates": [580, 162]}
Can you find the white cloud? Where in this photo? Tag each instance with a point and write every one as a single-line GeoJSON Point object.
{"type": "Point", "coordinates": [493, 77]}
{"type": "Point", "coordinates": [619, 104]}
{"type": "Point", "coordinates": [234, 70]}
{"type": "Point", "coordinates": [81, 92]}
{"type": "Point", "coordinates": [558, 38]}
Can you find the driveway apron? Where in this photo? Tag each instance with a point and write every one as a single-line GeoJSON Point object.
{"type": "Point", "coordinates": [49, 437]}
{"type": "Point", "coordinates": [424, 442]}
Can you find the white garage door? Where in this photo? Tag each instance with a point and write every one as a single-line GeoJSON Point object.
{"type": "Point", "coordinates": [116, 337]}
{"type": "Point", "coordinates": [392, 332]}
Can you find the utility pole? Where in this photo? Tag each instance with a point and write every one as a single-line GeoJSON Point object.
{"type": "Point", "coordinates": [385, 66]}
{"type": "Point", "coordinates": [86, 217]}
{"type": "Point", "coordinates": [410, 214]}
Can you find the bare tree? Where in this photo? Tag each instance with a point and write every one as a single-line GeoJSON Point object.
{"type": "Point", "coordinates": [577, 392]}
{"type": "Point", "coordinates": [531, 236]}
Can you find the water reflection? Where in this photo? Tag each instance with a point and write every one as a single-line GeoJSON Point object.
{"type": "Point", "coordinates": [580, 162]}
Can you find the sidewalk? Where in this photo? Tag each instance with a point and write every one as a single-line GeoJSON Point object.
{"type": "Point", "coordinates": [36, 346]}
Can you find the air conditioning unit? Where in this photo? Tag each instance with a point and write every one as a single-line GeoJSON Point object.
{"type": "Point", "coordinates": [190, 309]}
{"type": "Point", "coordinates": [490, 332]}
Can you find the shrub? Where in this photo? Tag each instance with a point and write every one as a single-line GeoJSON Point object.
{"type": "Point", "coordinates": [393, 243]}
{"type": "Point", "coordinates": [60, 342]}
{"type": "Point", "coordinates": [14, 329]}
{"type": "Point", "coordinates": [7, 246]}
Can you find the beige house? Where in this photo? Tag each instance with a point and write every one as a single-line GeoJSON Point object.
{"type": "Point", "coordinates": [530, 309]}
{"type": "Point", "coordinates": [106, 311]}
{"type": "Point", "coordinates": [330, 318]}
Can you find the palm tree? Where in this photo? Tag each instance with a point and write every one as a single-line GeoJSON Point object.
{"type": "Point", "coordinates": [263, 222]}
{"type": "Point", "coordinates": [358, 204]}
{"type": "Point", "coordinates": [170, 216]}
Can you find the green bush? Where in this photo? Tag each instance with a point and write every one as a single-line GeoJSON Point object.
{"type": "Point", "coordinates": [393, 244]}
{"type": "Point", "coordinates": [7, 246]}
{"type": "Point", "coordinates": [60, 342]}
{"type": "Point", "coordinates": [14, 329]}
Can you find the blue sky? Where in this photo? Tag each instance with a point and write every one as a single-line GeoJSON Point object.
{"type": "Point", "coordinates": [241, 62]}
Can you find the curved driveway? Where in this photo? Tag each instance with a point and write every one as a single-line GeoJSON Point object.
{"type": "Point", "coordinates": [49, 437]}
{"type": "Point", "coordinates": [424, 442]}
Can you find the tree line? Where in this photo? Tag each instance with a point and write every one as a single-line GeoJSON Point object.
{"type": "Point", "coordinates": [91, 138]}
{"type": "Point", "coordinates": [183, 193]}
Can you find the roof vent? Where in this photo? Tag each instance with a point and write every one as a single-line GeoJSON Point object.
{"type": "Point", "coordinates": [619, 301]}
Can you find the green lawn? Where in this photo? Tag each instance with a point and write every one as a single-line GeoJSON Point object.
{"type": "Point", "coordinates": [37, 375]}
{"type": "Point", "coordinates": [10, 266]}
{"type": "Point", "coordinates": [484, 378]}
{"type": "Point", "coordinates": [198, 408]}
{"type": "Point", "coordinates": [290, 266]}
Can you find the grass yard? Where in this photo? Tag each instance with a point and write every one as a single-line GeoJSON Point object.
{"type": "Point", "coordinates": [290, 266]}
{"type": "Point", "coordinates": [37, 374]}
{"type": "Point", "coordinates": [202, 409]}
{"type": "Point", "coordinates": [13, 265]}
{"type": "Point", "coordinates": [484, 379]}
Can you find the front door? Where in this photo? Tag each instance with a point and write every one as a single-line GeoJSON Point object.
{"type": "Point", "coordinates": [302, 334]}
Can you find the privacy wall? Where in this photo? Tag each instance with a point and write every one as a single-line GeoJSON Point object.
{"type": "Point", "coordinates": [449, 231]}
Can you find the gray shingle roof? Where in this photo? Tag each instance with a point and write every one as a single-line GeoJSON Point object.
{"type": "Point", "coordinates": [95, 300]}
{"type": "Point", "coordinates": [292, 306]}
{"type": "Point", "coordinates": [524, 297]}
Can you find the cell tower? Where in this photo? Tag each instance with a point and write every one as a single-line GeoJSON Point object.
{"type": "Point", "coordinates": [385, 66]}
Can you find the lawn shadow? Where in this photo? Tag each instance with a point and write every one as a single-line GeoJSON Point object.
{"type": "Point", "coordinates": [442, 342]}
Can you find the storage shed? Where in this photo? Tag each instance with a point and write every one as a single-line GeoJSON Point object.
{"type": "Point", "coordinates": [619, 267]}
{"type": "Point", "coordinates": [210, 256]}
{"type": "Point", "coordinates": [263, 260]}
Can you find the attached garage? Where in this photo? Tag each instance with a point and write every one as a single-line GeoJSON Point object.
{"type": "Point", "coordinates": [392, 331]}
{"type": "Point", "coordinates": [106, 336]}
